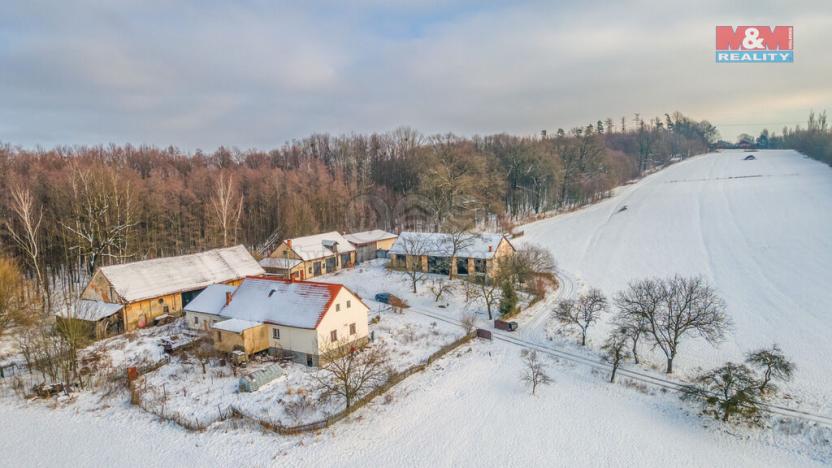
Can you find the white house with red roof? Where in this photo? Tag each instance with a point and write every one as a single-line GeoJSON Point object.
{"type": "Point", "coordinates": [298, 318]}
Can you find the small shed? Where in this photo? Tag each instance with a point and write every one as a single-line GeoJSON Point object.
{"type": "Point", "coordinates": [253, 381]}
{"type": "Point", "coordinates": [283, 267]}
{"type": "Point", "coordinates": [98, 319]}
{"type": "Point", "coordinates": [371, 244]}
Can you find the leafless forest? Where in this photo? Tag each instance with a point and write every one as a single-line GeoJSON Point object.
{"type": "Point", "coordinates": [68, 210]}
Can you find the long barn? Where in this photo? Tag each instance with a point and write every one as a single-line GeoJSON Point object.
{"type": "Point", "coordinates": [125, 297]}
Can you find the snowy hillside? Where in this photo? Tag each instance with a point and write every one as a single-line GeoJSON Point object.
{"type": "Point", "coordinates": [760, 231]}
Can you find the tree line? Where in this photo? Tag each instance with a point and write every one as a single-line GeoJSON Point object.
{"type": "Point", "coordinates": [68, 210]}
{"type": "Point", "coordinates": [814, 141]}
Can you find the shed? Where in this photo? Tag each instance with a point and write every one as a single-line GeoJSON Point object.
{"type": "Point", "coordinates": [253, 381]}
{"type": "Point", "coordinates": [371, 244]}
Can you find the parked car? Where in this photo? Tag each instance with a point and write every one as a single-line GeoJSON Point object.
{"type": "Point", "coordinates": [506, 326]}
{"type": "Point", "coordinates": [387, 298]}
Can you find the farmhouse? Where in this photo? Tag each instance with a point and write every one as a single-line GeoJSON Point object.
{"type": "Point", "coordinates": [435, 252]}
{"type": "Point", "coordinates": [300, 319]}
{"type": "Point", "coordinates": [124, 297]}
{"type": "Point", "coordinates": [306, 257]}
{"type": "Point", "coordinates": [371, 244]}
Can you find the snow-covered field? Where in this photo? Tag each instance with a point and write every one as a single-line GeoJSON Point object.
{"type": "Point", "coordinates": [760, 231]}
{"type": "Point", "coordinates": [762, 238]}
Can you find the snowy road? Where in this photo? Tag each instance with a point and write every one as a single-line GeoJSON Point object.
{"type": "Point", "coordinates": [760, 231]}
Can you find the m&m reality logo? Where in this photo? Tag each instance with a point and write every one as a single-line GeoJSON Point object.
{"type": "Point", "coordinates": [754, 44]}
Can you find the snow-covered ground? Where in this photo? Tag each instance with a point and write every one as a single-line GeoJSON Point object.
{"type": "Point", "coordinates": [762, 240]}
{"type": "Point", "coordinates": [760, 231]}
{"type": "Point", "coordinates": [469, 409]}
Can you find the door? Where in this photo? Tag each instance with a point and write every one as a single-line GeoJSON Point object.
{"type": "Point", "coordinates": [188, 296]}
{"type": "Point", "coordinates": [317, 268]}
{"type": "Point", "coordinates": [331, 264]}
{"type": "Point", "coordinates": [462, 266]}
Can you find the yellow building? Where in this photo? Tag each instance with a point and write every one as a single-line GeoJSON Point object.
{"type": "Point", "coordinates": [371, 244]}
{"type": "Point", "coordinates": [300, 319]}
{"type": "Point", "coordinates": [149, 289]}
{"type": "Point", "coordinates": [307, 257]}
{"type": "Point", "coordinates": [436, 252]}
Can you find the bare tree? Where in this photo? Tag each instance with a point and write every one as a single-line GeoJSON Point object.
{"type": "Point", "coordinates": [413, 247]}
{"type": "Point", "coordinates": [615, 351]}
{"type": "Point", "coordinates": [459, 238]}
{"type": "Point", "coordinates": [469, 322]}
{"type": "Point", "coordinates": [26, 231]}
{"type": "Point", "coordinates": [440, 288]}
{"type": "Point", "coordinates": [348, 372]}
{"type": "Point", "coordinates": [101, 218]}
{"type": "Point", "coordinates": [634, 327]}
{"type": "Point", "coordinates": [581, 312]}
{"type": "Point", "coordinates": [534, 373]}
{"type": "Point", "coordinates": [528, 261]}
{"type": "Point", "coordinates": [485, 290]}
{"type": "Point", "coordinates": [675, 308]}
{"type": "Point", "coordinates": [227, 207]}
{"type": "Point", "coordinates": [774, 365]}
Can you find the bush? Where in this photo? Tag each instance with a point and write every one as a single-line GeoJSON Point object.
{"type": "Point", "coordinates": [732, 390]}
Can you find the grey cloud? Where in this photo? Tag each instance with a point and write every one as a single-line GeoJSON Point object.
{"type": "Point", "coordinates": [201, 74]}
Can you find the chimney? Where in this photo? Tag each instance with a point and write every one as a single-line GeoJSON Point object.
{"type": "Point", "coordinates": [289, 243]}
{"type": "Point", "coordinates": [490, 248]}
{"type": "Point", "coordinates": [227, 297]}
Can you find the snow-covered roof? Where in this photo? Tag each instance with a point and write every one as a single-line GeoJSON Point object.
{"type": "Point", "coordinates": [91, 310]}
{"type": "Point", "coordinates": [482, 246]}
{"type": "Point", "coordinates": [366, 237]}
{"type": "Point", "coordinates": [297, 304]}
{"type": "Point", "coordinates": [280, 263]}
{"type": "Point", "coordinates": [235, 325]}
{"type": "Point", "coordinates": [320, 245]}
{"type": "Point", "coordinates": [211, 300]}
{"type": "Point", "coordinates": [152, 278]}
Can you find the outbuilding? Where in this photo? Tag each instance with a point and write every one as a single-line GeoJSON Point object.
{"type": "Point", "coordinates": [310, 256]}
{"type": "Point", "coordinates": [370, 245]}
{"type": "Point", "coordinates": [139, 292]}
{"type": "Point", "coordinates": [444, 253]}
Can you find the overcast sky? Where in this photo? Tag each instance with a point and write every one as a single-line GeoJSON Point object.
{"type": "Point", "coordinates": [204, 73]}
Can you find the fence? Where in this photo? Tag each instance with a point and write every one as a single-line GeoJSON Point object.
{"type": "Point", "coordinates": [394, 379]}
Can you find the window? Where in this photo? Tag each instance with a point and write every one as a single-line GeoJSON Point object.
{"type": "Point", "coordinates": [333, 336]}
{"type": "Point", "coordinates": [161, 301]}
{"type": "Point", "coordinates": [352, 329]}
{"type": "Point", "coordinates": [337, 307]}
{"type": "Point", "coordinates": [310, 270]}
{"type": "Point", "coordinates": [276, 333]}
{"type": "Point", "coordinates": [219, 336]}
{"type": "Point", "coordinates": [196, 320]}
{"type": "Point", "coordinates": [348, 304]}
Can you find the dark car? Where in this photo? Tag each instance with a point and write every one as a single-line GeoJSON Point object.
{"type": "Point", "coordinates": [503, 325]}
{"type": "Point", "coordinates": [387, 298]}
